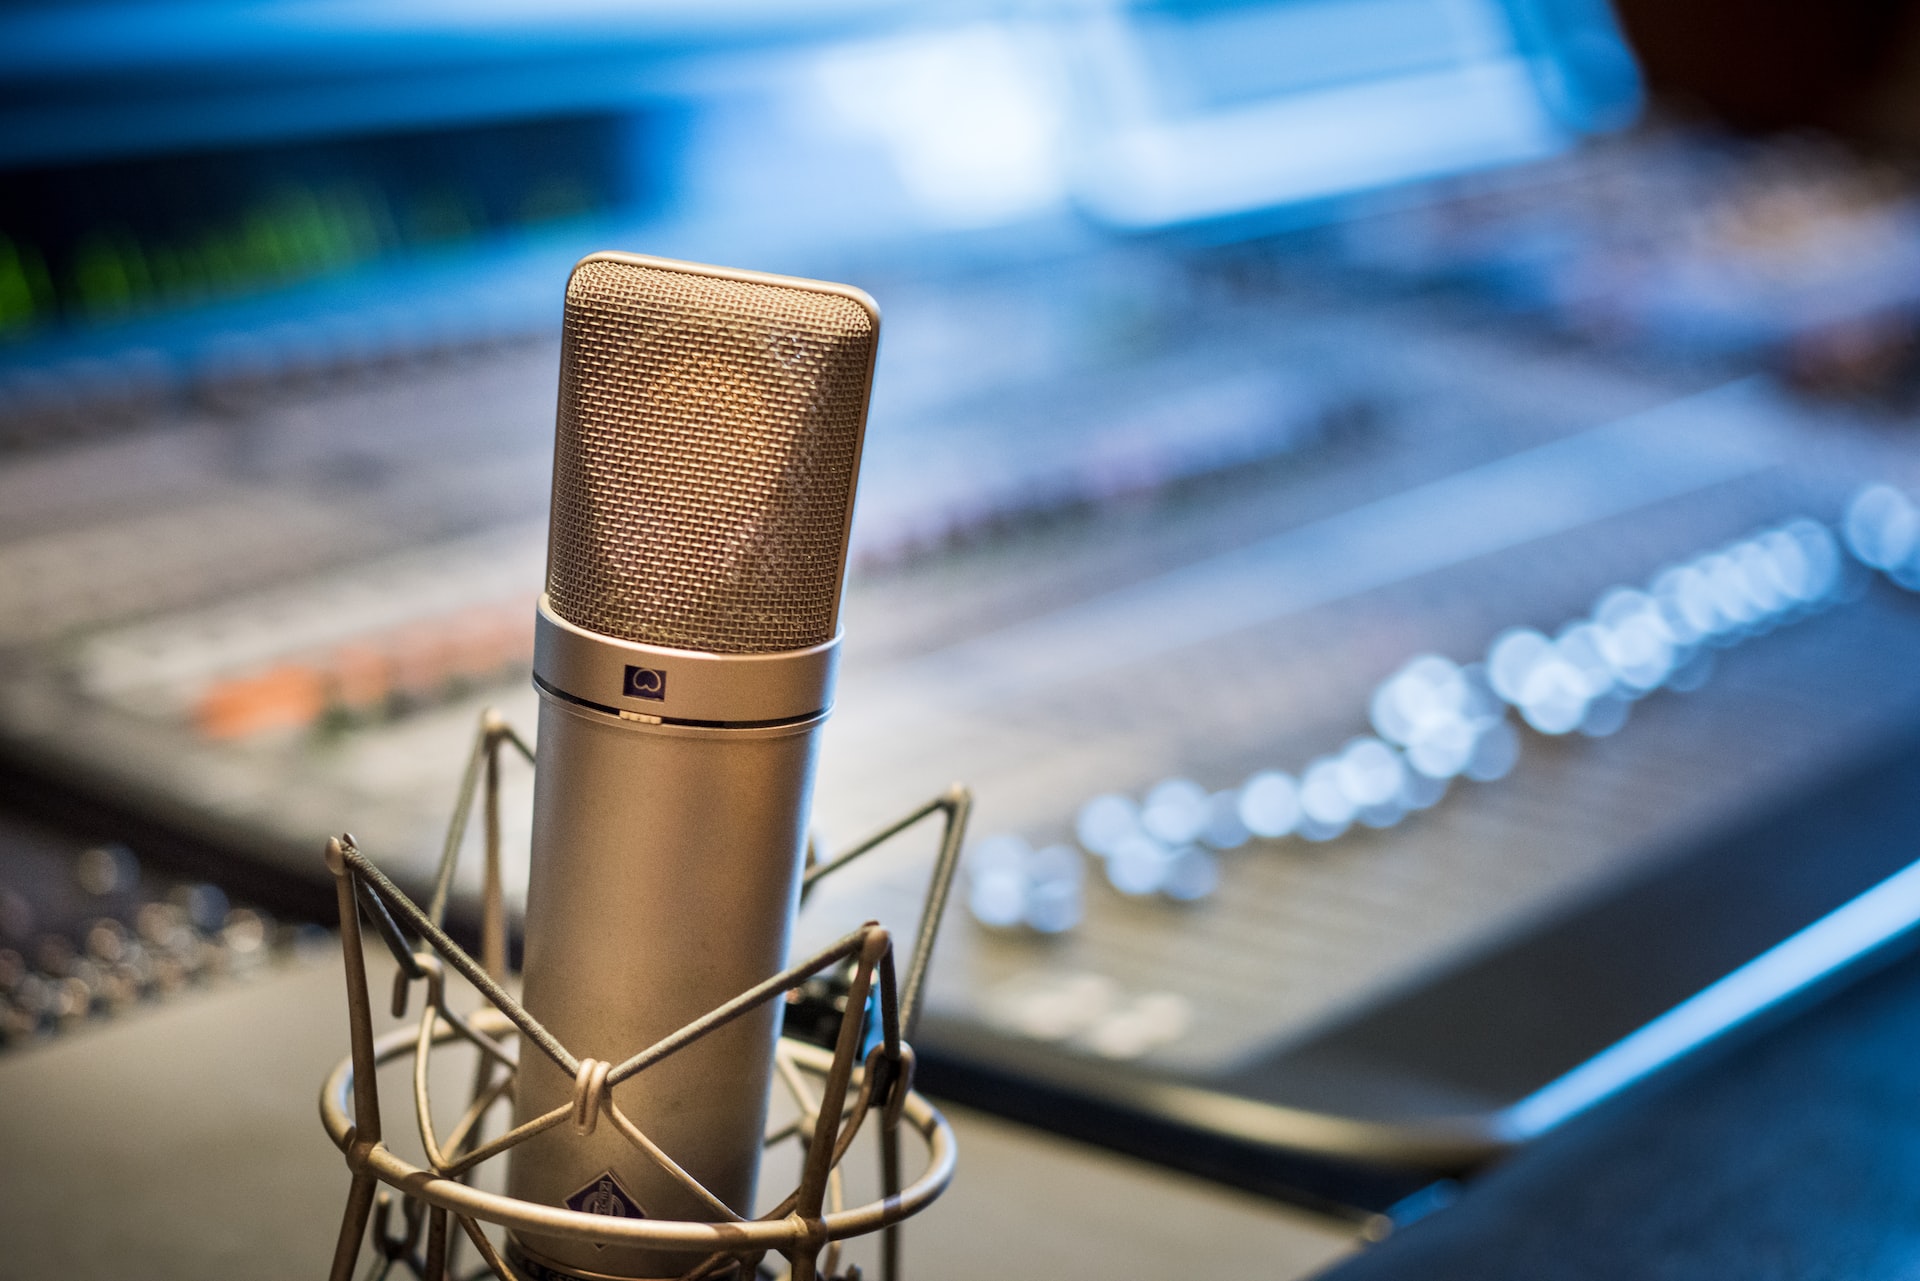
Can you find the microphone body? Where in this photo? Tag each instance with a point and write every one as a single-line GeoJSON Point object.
{"type": "Point", "coordinates": [709, 434]}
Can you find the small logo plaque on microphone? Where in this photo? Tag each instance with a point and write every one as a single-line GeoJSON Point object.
{"type": "Point", "coordinates": [646, 682]}
{"type": "Point", "coordinates": [605, 1196]}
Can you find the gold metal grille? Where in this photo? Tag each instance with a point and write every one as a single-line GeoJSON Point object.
{"type": "Point", "coordinates": [708, 437]}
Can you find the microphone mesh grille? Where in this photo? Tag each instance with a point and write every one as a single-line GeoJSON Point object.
{"type": "Point", "coordinates": [708, 437]}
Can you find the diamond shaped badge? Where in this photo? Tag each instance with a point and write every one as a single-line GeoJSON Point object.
{"type": "Point", "coordinates": [605, 1196]}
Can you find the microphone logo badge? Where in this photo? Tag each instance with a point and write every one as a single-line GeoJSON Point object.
{"type": "Point", "coordinates": [646, 682]}
{"type": "Point", "coordinates": [605, 1196]}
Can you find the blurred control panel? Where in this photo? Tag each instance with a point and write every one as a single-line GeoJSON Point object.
{"type": "Point", "coordinates": [1307, 611]}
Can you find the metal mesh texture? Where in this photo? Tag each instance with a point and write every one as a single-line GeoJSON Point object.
{"type": "Point", "coordinates": [708, 435]}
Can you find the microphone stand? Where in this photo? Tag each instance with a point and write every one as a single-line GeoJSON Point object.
{"type": "Point", "coordinates": [834, 1092]}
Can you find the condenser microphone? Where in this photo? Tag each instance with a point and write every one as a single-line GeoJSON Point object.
{"type": "Point", "coordinates": [708, 439]}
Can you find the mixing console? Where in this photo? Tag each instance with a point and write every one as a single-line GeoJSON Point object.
{"type": "Point", "coordinates": [1298, 638]}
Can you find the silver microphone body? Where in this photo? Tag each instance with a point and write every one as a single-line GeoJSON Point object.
{"type": "Point", "coordinates": [710, 430]}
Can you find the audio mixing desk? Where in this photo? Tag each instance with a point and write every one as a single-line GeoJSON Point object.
{"type": "Point", "coordinates": [1141, 522]}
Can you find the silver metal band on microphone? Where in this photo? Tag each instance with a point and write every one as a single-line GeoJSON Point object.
{"type": "Point", "coordinates": [652, 683]}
